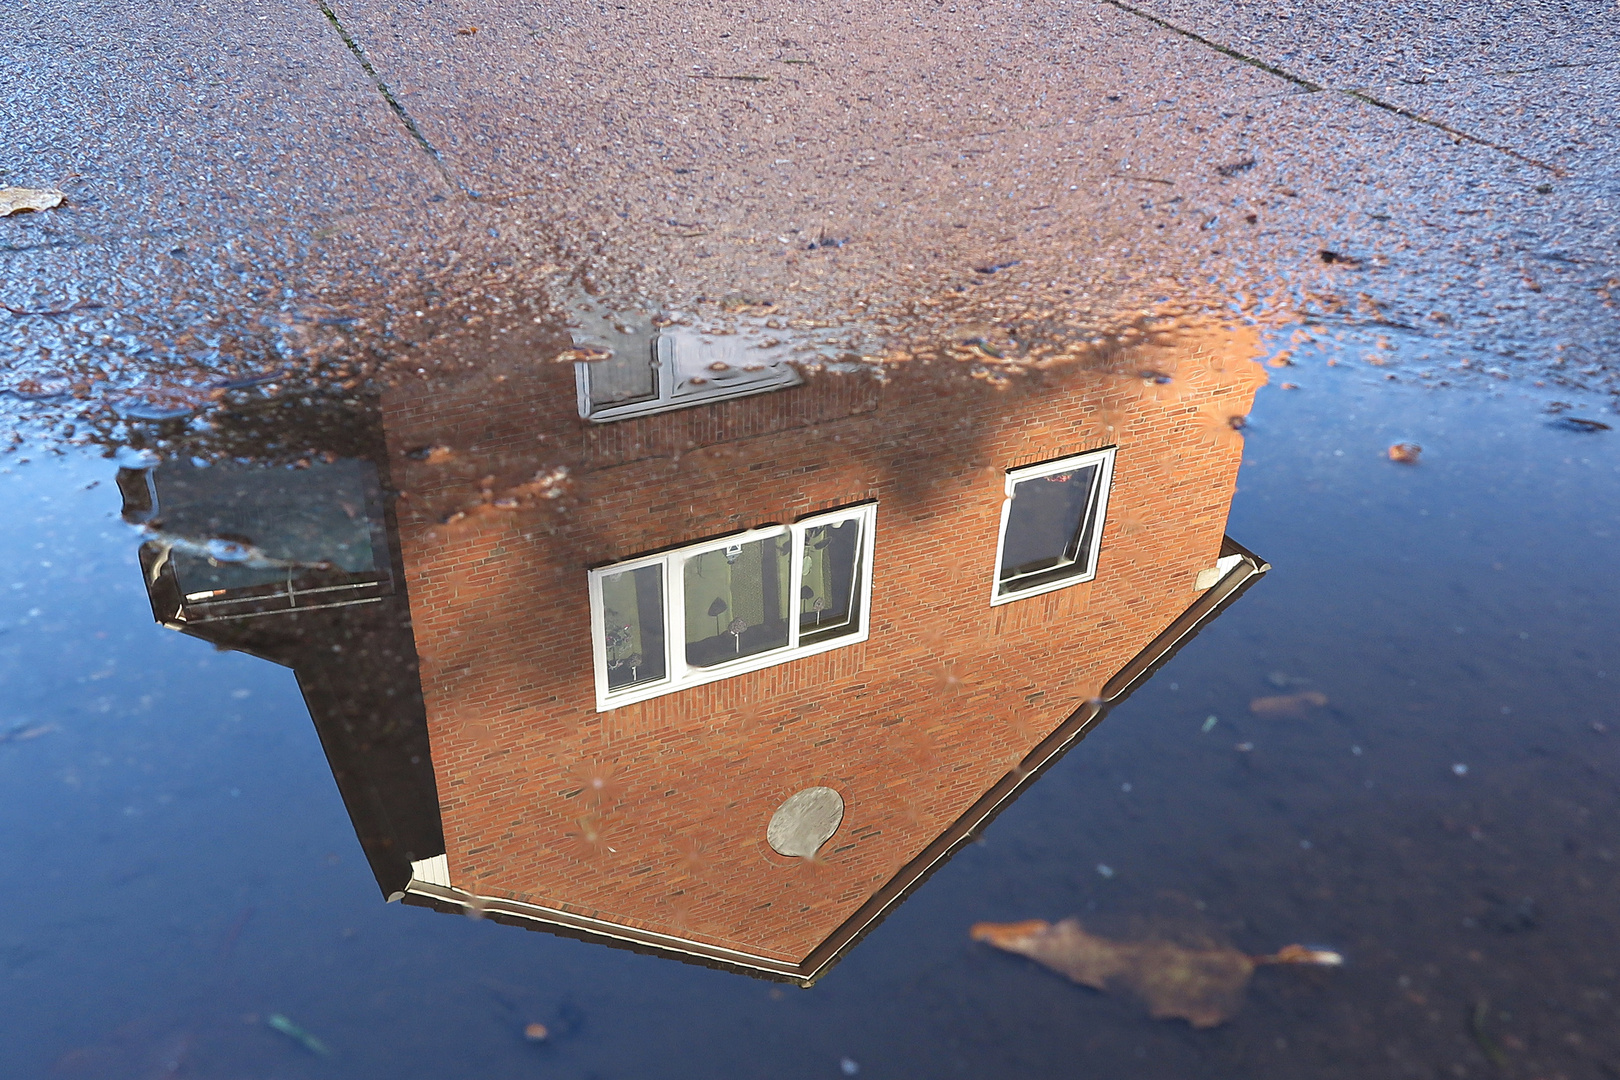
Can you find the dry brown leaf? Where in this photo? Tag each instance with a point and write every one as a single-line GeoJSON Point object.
{"type": "Point", "coordinates": [1203, 986]}
{"type": "Point", "coordinates": [1405, 453]}
{"type": "Point", "coordinates": [13, 199]}
{"type": "Point", "coordinates": [1288, 704]}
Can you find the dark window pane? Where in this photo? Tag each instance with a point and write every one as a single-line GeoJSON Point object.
{"type": "Point", "coordinates": [829, 582]}
{"type": "Point", "coordinates": [627, 377]}
{"type": "Point", "coordinates": [1049, 528]}
{"type": "Point", "coordinates": [633, 626]}
{"type": "Point", "coordinates": [232, 528]}
{"type": "Point", "coordinates": [736, 601]}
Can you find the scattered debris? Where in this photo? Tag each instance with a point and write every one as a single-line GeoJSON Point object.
{"type": "Point", "coordinates": [1202, 985]}
{"type": "Point", "coordinates": [24, 731]}
{"type": "Point", "coordinates": [536, 1032]}
{"type": "Point", "coordinates": [467, 31]}
{"type": "Point", "coordinates": [299, 1035]}
{"type": "Point", "coordinates": [433, 455]}
{"type": "Point", "coordinates": [1336, 258]}
{"type": "Point", "coordinates": [991, 268]}
{"type": "Point", "coordinates": [1209, 724]}
{"type": "Point", "coordinates": [1234, 167]}
{"type": "Point", "coordinates": [15, 199]}
{"type": "Point", "coordinates": [154, 411]}
{"type": "Point", "coordinates": [1243, 747]}
{"type": "Point", "coordinates": [1460, 769]}
{"type": "Point", "coordinates": [1406, 453]}
{"type": "Point", "coordinates": [1577, 423]}
{"type": "Point", "coordinates": [1477, 1016]}
{"type": "Point", "coordinates": [1295, 705]}
{"type": "Point", "coordinates": [848, 1066]}
{"type": "Point", "coordinates": [1105, 870]}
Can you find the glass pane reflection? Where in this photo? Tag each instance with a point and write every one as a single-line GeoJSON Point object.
{"type": "Point", "coordinates": [1049, 528]}
{"type": "Point", "coordinates": [633, 611]}
{"type": "Point", "coordinates": [828, 582]}
{"type": "Point", "coordinates": [736, 601]}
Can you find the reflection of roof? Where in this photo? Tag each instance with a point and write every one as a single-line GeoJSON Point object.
{"type": "Point", "coordinates": [430, 881]}
{"type": "Point", "coordinates": [355, 659]}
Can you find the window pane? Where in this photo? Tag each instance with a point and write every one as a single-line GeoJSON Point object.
{"type": "Point", "coordinates": [633, 626]}
{"type": "Point", "coordinates": [1049, 528]}
{"type": "Point", "coordinates": [736, 601]}
{"type": "Point", "coordinates": [703, 365]}
{"type": "Point", "coordinates": [626, 377]}
{"type": "Point", "coordinates": [829, 582]}
{"type": "Point", "coordinates": [249, 528]}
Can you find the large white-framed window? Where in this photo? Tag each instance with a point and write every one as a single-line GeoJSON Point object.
{"type": "Point", "coordinates": [1051, 523]}
{"type": "Point", "coordinates": [733, 604]}
{"type": "Point", "coordinates": [680, 368]}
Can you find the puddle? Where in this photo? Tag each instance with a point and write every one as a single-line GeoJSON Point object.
{"type": "Point", "coordinates": [615, 566]}
{"type": "Point", "coordinates": [466, 645]}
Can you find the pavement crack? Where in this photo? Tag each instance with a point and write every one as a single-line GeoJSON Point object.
{"type": "Point", "coordinates": [393, 101]}
{"type": "Point", "coordinates": [1317, 88]}
{"type": "Point", "coordinates": [1245, 58]}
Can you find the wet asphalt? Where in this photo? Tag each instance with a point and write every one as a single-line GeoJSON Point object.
{"type": "Point", "coordinates": [261, 184]}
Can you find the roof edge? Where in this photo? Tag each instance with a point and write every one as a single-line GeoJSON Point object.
{"type": "Point", "coordinates": [1248, 569]}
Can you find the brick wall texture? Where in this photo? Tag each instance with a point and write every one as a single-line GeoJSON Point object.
{"type": "Point", "coordinates": [653, 815]}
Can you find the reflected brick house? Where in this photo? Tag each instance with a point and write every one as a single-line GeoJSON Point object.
{"type": "Point", "coordinates": [663, 658]}
{"type": "Point", "coordinates": [722, 681]}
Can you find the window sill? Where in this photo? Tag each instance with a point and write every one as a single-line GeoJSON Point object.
{"type": "Point", "coordinates": [720, 672]}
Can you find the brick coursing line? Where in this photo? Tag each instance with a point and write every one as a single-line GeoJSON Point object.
{"type": "Point", "coordinates": [911, 727]}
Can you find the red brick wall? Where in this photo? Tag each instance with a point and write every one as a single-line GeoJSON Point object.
{"type": "Point", "coordinates": [910, 726]}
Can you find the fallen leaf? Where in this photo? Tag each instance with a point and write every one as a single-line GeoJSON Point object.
{"type": "Point", "coordinates": [1288, 704]}
{"type": "Point", "coordinates": [1580, 423]}
{"type": "Point", "coordinates": [1203, 986]}
{"type": "Point", "coordinates": [13, 199]}
{"type": "Point", "coordinates": [1405, 452]}
{"type": "Point", "coordinates": [298, 1034]}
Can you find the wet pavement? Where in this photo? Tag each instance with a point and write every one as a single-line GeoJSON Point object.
{"type": "Point", "coordinates": [304, 181]}
{"type": "Point", "coordinates": [571, 446]}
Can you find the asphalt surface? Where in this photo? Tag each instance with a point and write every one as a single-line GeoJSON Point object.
{"type": "Point", "coordinates": [259, 186]}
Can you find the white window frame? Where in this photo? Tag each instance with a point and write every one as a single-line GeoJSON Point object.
{"type": "Point", "coordinates": [1105, 482]}
{"type": "Point", "coordinates": [662, 360]}
{"type": "Point", "coordinates": [678, 674]}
